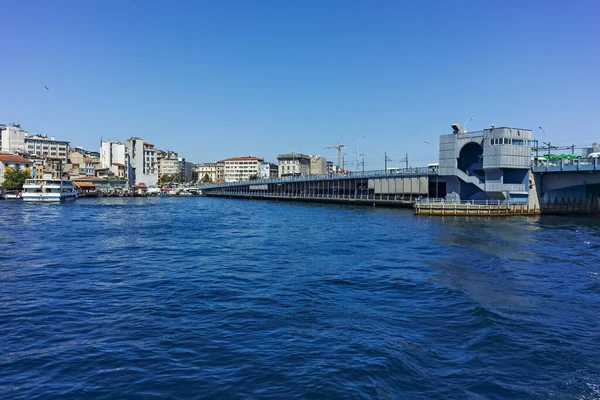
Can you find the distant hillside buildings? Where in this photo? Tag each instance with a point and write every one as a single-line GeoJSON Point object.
{"type": "Point", "coordinates": [137, 162]}
{"type": "Point", "coordinates": [238, 169]}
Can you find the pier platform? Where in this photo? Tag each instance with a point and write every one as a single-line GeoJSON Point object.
{"type": "Point", "coordinates": [474, 209]}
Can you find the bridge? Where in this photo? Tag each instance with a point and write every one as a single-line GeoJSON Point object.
{"type": "Point", "coordinates": [567, 180]}
{"type": "Point", "coordinates": [554, 181]}
{"type": "Point", "coordinates": [389, 188]}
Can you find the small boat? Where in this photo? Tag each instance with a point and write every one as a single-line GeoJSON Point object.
{"type": "Point", "coordinates": [12, 195]}
{"type": "Point", "coordinates": [48, 191]}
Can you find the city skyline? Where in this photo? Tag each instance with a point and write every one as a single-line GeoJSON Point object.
{"type": "Point", "coordinates": [213, 81]}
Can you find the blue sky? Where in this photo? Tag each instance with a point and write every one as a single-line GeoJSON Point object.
{"type": "Point", "coordinates": [216, 79]}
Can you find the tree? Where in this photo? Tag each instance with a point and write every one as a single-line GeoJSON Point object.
{"type": "Point", "coordinates": [206, 179]}
{"type": "Point", "coordinates": [194, 176]}
{"type": "Point", "coordinates": [14, 178]}
{"type": "Point", "coordinates": [166, 179]}
{"type": "Point", "coordinates": [254, 177]}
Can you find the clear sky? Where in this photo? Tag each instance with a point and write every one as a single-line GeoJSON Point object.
{"type": "Point", "coordinates": [215, 79]}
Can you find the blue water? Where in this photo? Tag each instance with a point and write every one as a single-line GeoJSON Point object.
{"type": "Point", "coordinates": [230, 299]}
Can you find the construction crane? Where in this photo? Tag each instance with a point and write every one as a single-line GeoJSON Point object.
{"type": "Point", "coordinates": [339, 148]}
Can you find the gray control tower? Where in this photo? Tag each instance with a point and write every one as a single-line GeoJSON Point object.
{"type": "Point", "coordinates": [492, 164]}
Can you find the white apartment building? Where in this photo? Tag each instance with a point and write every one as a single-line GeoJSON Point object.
{"type": "Point", "coordinates": [269, 170]}
{"type": "Point", "coordinates": [112, 156]}
{"type": "Point", "coordinates": [165, 155]}
{"type": "Point", "coordinates": [293, 164]}
{"type": "Point", "coordinates": [241, 168]}
{"type": "Point", "coordinates": [45, 147]}
{"type": "Point", "coordinates": [169, 166]}
{"type": "Point", "coordinates": [12, 139]}
{"type": "Point", "coordinates": [215, 171]}
{"type": "Point", "coordinates": [142, 166]}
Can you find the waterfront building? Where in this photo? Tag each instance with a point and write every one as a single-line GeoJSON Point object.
{"type": "Point", "coordinates": [47, 147]}
{"type": "Point", "coordinates": [213, 172]}
{"type": "Point", "coordinates": [268, 170]}
{"type": "Point", "coordinates": [12, 139]}
{"type": "Point", "coordinates": [10, 161]}
{"type": "Point", "coordinates": [81, 164]}
{"type": "Point", "coordinates": [293, 164]}
{"type": "Point", "coordinates": [43, 165]}
{"type": "Point", "coordinates": [492, 164]}
{"type": "Point", "coordinates": [169, 163]}
{"type": "Point", "coordinates": [332, 168]}
{"type": "Point", "coordinates": [187, 169]}
{"type": "Point", "coordinates": [140, 161]}
{"type": "Point", "coordinates": [318, 165]}
{"type": "Point", "coordinates": [241, 168]}
{"type": "Point", "coordinates": [113, 157]}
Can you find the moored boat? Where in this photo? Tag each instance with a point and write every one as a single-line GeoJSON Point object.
{"type": "Point", "coordinates": [12, 195]}
{"type": "Point", "coordinates": [48, 191]}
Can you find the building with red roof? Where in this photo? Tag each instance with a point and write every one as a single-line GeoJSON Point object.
{"type": "Point", "coordinates": [9, 161]}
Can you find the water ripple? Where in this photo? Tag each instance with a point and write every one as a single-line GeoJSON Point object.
{"type": "Point", "coordinates": [209, 298]}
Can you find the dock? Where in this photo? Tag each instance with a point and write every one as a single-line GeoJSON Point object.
{"type": "Point", "coordinates": [472, 208]}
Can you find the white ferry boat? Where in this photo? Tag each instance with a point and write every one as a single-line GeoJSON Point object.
{"type": "Point", "coordinates": [48, 191]}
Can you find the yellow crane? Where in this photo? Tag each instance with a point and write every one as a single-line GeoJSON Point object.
{"type": "Point", "coordinates": [339, 148]}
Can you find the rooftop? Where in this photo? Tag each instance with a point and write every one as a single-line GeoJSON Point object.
{"type": "Point", "coordinates": [250, 158]}
{"type": "Point", "coordinates": [14, 159]}
{"type": "Point", "coordinates": [84, 184]}
{"type": "Point", "coordinates": [292, 155]}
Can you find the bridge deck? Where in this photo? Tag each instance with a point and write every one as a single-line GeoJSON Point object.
{"type": "Point", "coordinates": [567, 166]}
{"type": "Point", "coordinates": [379, 174]}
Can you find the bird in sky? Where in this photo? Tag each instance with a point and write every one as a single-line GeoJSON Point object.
{"type": "Point", "coordinates": [46, 87]}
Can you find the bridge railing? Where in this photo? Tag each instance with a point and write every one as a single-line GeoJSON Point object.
{"type": "Point", "coordinates": [406, 172]}
{"type": "Point", "coordinates": [541, 164]}
{"type": "Point", "coordinates": [453, 201]}
{"type": "Point", "coordinates": [332, 196]}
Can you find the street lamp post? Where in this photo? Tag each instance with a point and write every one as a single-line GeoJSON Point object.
{"type": "Point", "coordinates": [430, 148]}
{"type": "Point", "coordinates": [465, 124]}
{"type": "Point", "coordinates": [358, 152]}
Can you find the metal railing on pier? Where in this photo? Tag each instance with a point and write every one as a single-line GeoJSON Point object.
{"type": "Point", "coordinates": [470, 202]}
{"type": "Point", "coordinates": [376, 197]}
